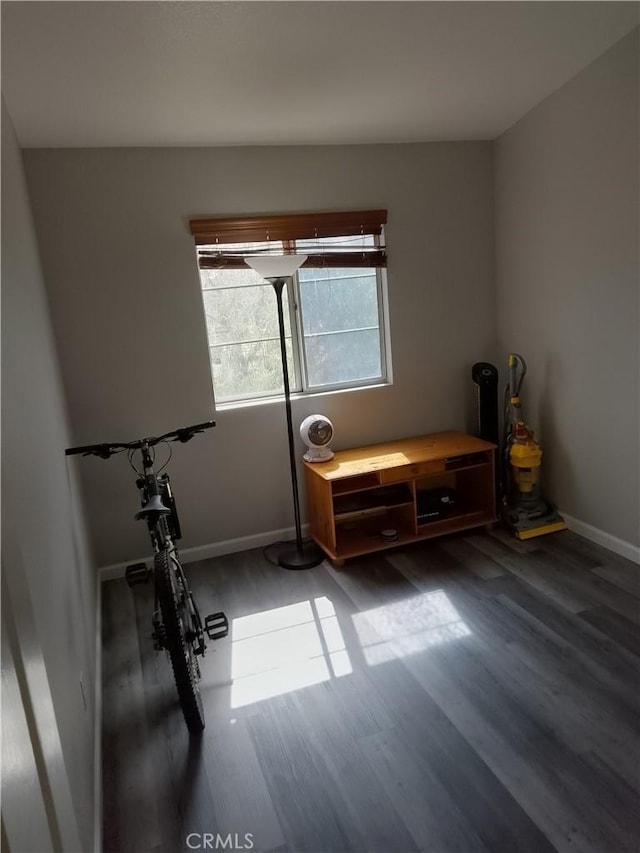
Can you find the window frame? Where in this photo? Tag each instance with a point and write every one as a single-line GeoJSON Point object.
{"type": "Point", "coordinates": [212, 235]}
{"type": "Point", "coordinates": [383, 379]}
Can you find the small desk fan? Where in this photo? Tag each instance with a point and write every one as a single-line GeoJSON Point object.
{"type": "Point", "coordinates": [317, 431]}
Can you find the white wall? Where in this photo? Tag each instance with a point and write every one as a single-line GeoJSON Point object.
{"type": "Point", "coordinates": [126, 306]}
{"type": "Point", "coordinates": [48, 583]}
{"type": "Point", "coordinates": [568, 285]}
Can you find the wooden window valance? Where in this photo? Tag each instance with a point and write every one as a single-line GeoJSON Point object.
{"type": "Point", "coordinates": [220, 240]}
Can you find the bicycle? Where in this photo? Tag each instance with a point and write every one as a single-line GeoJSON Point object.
{"type": "Point", "coordinates": [176, 622]}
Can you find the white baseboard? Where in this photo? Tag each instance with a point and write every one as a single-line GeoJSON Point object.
{"type": "Point", "coordinates": [97, 746]}
{"type": "Point", "coordinates": [206, 552]}
{"type": "Point", "coordinates": [260, 540]}
{"type": "Point", "coordinates": [594, 534]}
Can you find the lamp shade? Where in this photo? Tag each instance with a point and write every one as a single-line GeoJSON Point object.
{"type": "Point", "coordinates": [275, 266]}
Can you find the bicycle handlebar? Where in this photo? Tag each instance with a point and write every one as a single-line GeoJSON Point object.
{"type": "Point", "coordinates": [183, 435]}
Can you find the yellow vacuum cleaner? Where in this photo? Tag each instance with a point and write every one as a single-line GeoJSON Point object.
{"type": "Point", "coordinates": [523, 509]}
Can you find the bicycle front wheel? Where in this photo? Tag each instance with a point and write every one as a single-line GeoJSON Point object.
{"type": "Point", "coordinates": [172, 595]}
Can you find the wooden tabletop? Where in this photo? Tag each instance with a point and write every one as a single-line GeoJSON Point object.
{"type": "Point", "coordinates": [391, 454]}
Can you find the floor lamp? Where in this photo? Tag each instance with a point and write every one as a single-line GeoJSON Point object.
{"type": "Point", "coordinates": [278, 269]}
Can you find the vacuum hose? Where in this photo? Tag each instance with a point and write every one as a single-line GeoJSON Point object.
{"type": "Point", "coordinates": [513, 405]}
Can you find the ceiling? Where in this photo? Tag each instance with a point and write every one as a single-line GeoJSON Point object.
{"type": "Point", "coordinates": [83, 74]}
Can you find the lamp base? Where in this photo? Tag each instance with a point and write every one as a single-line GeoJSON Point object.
{"type": "Point", "coordinates": [308, 556]}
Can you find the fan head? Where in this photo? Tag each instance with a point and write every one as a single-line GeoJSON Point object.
{"type": "Point", "coordinates": [317, 431]}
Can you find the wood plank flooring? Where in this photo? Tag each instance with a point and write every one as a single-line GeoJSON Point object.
{"type": "Point", "coordinates": [463, 695]}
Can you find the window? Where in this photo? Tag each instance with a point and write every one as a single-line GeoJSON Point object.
{"type": "Point", "coordinates": [334, 309]}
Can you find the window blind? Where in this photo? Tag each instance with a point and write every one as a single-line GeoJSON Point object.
{"type": "Point", "coordinates": [341, 239]}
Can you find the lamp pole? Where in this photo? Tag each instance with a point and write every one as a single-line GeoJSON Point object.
{"type": "Point", "coordinates": [304, 555]}
{"type": "Point", "coordinates": [278, 286]}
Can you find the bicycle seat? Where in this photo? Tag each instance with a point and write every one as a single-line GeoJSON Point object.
{"type": "Point", "coordinates": [153, 507]}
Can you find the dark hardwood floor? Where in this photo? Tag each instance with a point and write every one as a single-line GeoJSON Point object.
{"type": "Point", "coordinates": [473, 693]}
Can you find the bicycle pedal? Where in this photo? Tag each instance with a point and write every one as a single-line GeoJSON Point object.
{"type": "Point", "coordinates": [216, 625]}
{"type": "Point", "coordinates": [137, 573]}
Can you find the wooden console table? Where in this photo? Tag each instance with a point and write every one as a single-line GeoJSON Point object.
{"type": "Point", "coordinates": [371, 498]}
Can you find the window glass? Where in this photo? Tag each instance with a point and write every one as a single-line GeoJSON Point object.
{"type": "Point", "coordinates": [340, 322]}
{"type": "Point", "coordinates": [333, 320]}
{"type": "Point", "coordinates": [244, 342]}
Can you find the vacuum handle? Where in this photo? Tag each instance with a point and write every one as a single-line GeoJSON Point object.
{"type": "Point", "coordinates": [515, 382]}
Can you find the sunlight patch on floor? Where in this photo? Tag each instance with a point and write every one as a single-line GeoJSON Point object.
{"type": "Point", "coordinates": [407, 627]}
{"type": "Point", "coordinates": [277, 651]}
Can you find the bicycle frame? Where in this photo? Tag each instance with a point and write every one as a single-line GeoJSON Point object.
{"type": "Point", "coordinates": [159, 512]}
{"type": "Point", "coordinates": [177, 626]}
